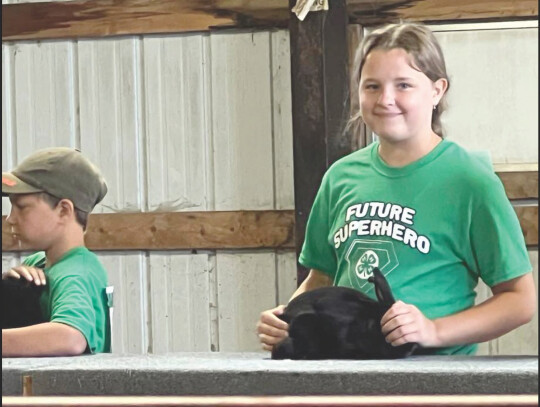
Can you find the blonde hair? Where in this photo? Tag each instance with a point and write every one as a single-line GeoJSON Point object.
{"type": "Point", "coordinates": [420, 43]}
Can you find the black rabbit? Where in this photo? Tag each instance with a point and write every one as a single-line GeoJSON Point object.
{"type": "Point", "coordinates": [20, 303]}
{"type": "Point", "coordinates": [339, 323]}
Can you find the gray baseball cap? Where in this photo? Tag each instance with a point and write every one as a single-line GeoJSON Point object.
{"type": "Point", "coordinates": [61, 172]}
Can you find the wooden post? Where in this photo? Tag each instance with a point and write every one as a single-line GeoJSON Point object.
{"type": "Point", "coordinates": [320, 100]}
{"type": "Point", "coordinates": [27, 385]}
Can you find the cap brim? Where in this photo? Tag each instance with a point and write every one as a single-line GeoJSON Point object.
{"type": "Point", "coordinates": [13, 185]}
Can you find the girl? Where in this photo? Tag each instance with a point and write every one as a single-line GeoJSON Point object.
{"type": "Point", "coordinates": [429, 214]}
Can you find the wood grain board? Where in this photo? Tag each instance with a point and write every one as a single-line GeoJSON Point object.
{"type": "Point", "coordinates": [182, 230]}
{"type": "Point", "coordinates": [209, 230]}
{"type": "Point", "coordinates": [104, 18]}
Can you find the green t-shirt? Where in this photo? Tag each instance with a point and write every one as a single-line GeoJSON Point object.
{"type": "Point", "coordinates": [433, 227]}
{"type": "Point", "coordinates": [75, 295]}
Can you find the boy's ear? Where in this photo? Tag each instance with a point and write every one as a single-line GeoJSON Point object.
{"type": "Point", "coordinates": [66, 207]}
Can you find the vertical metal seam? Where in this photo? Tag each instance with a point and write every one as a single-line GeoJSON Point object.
{"type": "Point", "coordinates": [75, 99]}
{"type": "Point", "coordinates": [140, 110]}
{"type": "Point", "coordinates": [210, 189]}
{"type": "Point", "coordinates": [146, 266]}
{"type": "Point", "coordinates": [144, 259]}
{"type": "Point", "coordinates": [12, 122]}
{"type": "Point", "coordinates": [273, 152]}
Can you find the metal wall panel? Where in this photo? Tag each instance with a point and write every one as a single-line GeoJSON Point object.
{"type": "Point", "coordinates": [283, 154]}
{"type": "Point", "coordinates": [127, 273]}
{"type": "Point", "coordinates": [10, 260]}
{"type": "Point", "coordinates": [7, 112]}
{"type": "Point", "coordinates": [242, 121]}
{"type": "Point", "coordinates": [110, 134]}
{"type": "Point", "coordinates": [110, 128]}
{"type": "Point", "coordinates": [493, 97]}
{"type": "Point", "coordinates": [167, 119]}
{"type": "Point", "coordinates": [181, 301]}
{"type": "Point", "coordinates": [246, 286]}
{"type": "Point", "coordinates": [44, 88]}
{"type": "Point", "coordinates": [282, 120]}
{"type": "Point", "coordinates": [178, 179]}
{"type": "Point", "coordinates": [176, 120]}
{"type": "Point", "coordinates": [249, 87]}
{"type": "Point", "coordinates": [286, 276]}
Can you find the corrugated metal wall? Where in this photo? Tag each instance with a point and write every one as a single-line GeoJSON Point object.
{"type": "Point", "coordinates": [203, 122]}
{"type": "Point", "coordinates": [493, 100]}
{"type": "Point", "coordinates": [178, 122]}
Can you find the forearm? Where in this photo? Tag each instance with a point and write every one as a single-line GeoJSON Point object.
{"type": "Point", "coordinates": [315, 279]}
{"type": "Point", "coordinates": [47, 339]}
{"type": "Point", "coordinates": [494, 317]}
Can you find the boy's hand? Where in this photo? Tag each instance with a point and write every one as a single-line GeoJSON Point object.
{"type": "Point", "coordinates": [30, 273]}
{"type": "Point", "coordinates": [404, 323]}
{"type": "Point", "coordinates": [271, 329]}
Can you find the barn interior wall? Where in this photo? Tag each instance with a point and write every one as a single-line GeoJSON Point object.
{"type": "Point", "coordinates": [202, 122]}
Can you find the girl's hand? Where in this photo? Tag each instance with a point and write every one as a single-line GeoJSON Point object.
{"type": "Point", "coordinates": [404, 323]}
{"type": "Point", "coordinates": [29, 273]}
{"type": "Point", "coordinates": [271, 329]}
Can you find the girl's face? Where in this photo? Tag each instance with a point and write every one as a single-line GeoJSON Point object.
{"type": "Point", "coordinates": [397, 100]}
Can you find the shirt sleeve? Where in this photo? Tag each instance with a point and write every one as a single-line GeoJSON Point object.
{"type": "Point", "coordinates": [71, 304]}
{"type": "Point", "coordinates": [497, 241]}
{"type": "Point", "coordinates": [317, 252]}
{"type": "Point", "coordinates": [37, 259]}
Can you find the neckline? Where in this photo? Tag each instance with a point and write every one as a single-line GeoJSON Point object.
{"type": "Point", "coordinates": [394, 172]}
{"type": "Point", "coordinates": [67, 254]}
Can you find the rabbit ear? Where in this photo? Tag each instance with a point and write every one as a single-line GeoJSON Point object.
{"type": "Point", "coordinates": [382, 288]}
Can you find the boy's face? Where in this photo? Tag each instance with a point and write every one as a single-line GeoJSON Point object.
{"type": "Point", "coordinates": [33, 222]}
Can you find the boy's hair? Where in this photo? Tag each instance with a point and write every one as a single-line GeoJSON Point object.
{"type": "Point", "coordinates": [52, 201]}
{"type": "Point", "coordinates": [63, 173]}
{"type": "Point", "coordinates": [426, 56]}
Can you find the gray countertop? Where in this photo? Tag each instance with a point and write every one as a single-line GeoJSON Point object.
{"type": "Point", "coordinates": [256, 374]}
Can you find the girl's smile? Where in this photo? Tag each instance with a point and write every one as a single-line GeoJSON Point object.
{"type": "Point", "coordinates": [396, 99]}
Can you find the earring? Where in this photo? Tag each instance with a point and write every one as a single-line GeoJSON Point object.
{"type": "Point", "coordinates": [435, 107]}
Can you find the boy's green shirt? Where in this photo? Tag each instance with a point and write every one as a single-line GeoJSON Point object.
{"type": "Point", "coordinates": [75, 295]}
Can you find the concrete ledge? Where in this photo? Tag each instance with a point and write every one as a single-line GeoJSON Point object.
{"type": "Point", "coordinates": [183, 374]}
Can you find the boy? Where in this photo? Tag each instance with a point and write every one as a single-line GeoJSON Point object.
{"type": "Point", "coordinates": [52, 193]}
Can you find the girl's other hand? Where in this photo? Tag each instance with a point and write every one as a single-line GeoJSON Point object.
{"type": "Point", "coordinates": [404, 323]}
{"type": "Point", "coordinates": [29, 273]}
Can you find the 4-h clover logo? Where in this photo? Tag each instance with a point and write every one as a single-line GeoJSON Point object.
{"type": "Point", "coordinates": [366, 263]}
{"type": "Point", "coordinates": [364, 255]}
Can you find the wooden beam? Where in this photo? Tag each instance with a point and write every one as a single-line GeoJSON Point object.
{"type": "Point", "coordinates": [209, 230]}
{"type": "Point", "coordinates": [104, 18]}
{"type": "Point", "coordinates": [182, 231]}
{"type": "Point", "coordinates": [320, 104]}
{"type": "Point", "coordinates": [528, 219]}
{"type": "Point", "coordinates": [370, 13]}
{"type": "Point", "coordinates": [517, 400]}
{"type": "Point", "coordinates": [520, 184]}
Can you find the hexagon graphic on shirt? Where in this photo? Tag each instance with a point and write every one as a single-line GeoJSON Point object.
{"type": "Point", "coordinates": [364, 255]}
{"type": "Point", "coordinates": [366, 263]}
